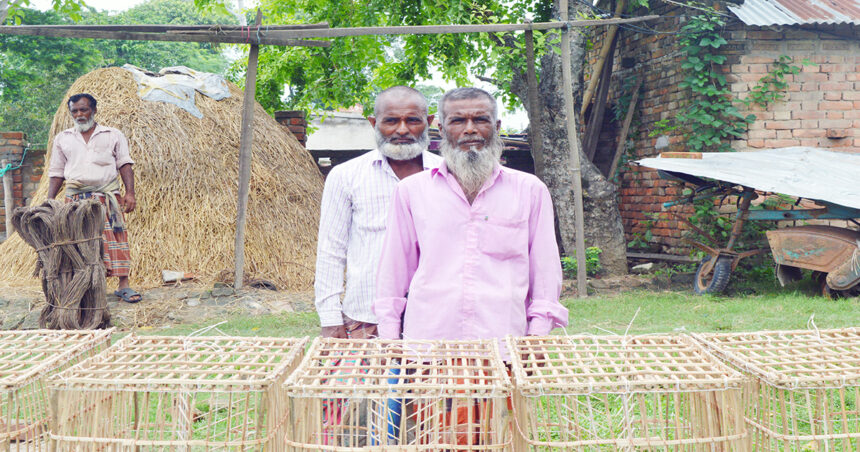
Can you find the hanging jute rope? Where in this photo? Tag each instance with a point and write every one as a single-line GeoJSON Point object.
{"type": "Point", "coordinates": [68, 240]}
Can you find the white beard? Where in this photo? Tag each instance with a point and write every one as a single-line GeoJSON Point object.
{"type": "Point", "coordinates": [474, 167]}
{"type": "Point", "coordinates": [85, 126]}
{"type": "Point", "coordinates": [402, 151]}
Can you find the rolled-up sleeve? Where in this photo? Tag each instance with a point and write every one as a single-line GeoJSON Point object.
{"type": "Point", "coordinates": [544, 311]}
{"type": "Point", "coordinates": [397, 266]}
{"type": "Point", "coordinates": [121, 151]}
{"type": "Point", "coordinates": [57, 165]}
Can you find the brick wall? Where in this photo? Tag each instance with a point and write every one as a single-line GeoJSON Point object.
{"type": "Point", "coordinates": [25, 180]}
{"type": "Point", "coordinates": [822, 103]}
{"type": "Point", "coordinates": [821, 107]}
{"type": "Point", "coordinates": [296, 121]}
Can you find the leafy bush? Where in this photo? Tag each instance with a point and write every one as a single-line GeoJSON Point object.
{"type": "Point", "coordinates": [592, 263]}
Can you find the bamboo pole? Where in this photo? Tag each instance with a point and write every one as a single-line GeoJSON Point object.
{"type": "Point", "coordinates": [245, 144]}
{"type": "Point", "coordinates": [573, 142]}
{"type": "Point", "coordinates": [604, 52]}
{"type": "Point", "coordinates": [628, 119]}
{"type": "Point", "coordinates": [292, 37]}
{"type": "Point", "coordinates": [534, 105]}
{"type": "Point", "coordinates": [8, 202]}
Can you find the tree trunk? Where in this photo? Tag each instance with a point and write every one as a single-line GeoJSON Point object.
{"type": "Point", "coordinates": [603, 226]}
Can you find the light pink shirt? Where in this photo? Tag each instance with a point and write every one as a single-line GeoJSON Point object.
{"type": "Point", "coordinates": [478, 271]}
{"type": "Point", "coordinates": [94, 163]}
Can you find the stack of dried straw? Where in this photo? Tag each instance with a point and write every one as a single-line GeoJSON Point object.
{"type": "Point", "coordinates": [68, 241]}
{"type": "Point", "coordinates": [186, 172]}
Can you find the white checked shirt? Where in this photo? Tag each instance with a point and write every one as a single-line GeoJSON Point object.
{"type": "Point", "coordinates": [354, 212]}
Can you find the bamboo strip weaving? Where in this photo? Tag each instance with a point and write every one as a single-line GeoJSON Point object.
{"type": "Point", "coordinates": [803, 386]}
{"type": "Point", "coordinates": [27, 359]}
{"type": "Point", "coordinates": [588, 393]}
{"type": "Point", "coordinates": [354, 395]}
{"type": "Point", "coordinates": [152, 393]}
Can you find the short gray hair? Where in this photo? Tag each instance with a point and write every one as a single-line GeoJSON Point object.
{"type": "Point", "coordinates": [466, 93]}
{"type": "Point", "coordinates": [399, 89]}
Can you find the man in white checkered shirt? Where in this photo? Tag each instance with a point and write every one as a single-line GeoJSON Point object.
{"type": "Point", "coordinates": [355, 206]}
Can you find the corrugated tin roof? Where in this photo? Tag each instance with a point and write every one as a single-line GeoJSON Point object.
{"type": "Point", "coordinates": [797, 12]}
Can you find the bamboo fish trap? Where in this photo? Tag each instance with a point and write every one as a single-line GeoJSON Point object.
{"type": "Point", "coordinates": [804, 386]}
{"type": "Point", "coordinates": [357, 395]}
{"type": "Point", "coordinates": [590, 393]}
{"type": "Point", "coordinates": [149, 393]}
{"type": "Point", "coordinates": [27, 359]}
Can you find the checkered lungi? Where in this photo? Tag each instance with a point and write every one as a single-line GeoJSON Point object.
{"type": "Point", "coordinates": [116, 255]}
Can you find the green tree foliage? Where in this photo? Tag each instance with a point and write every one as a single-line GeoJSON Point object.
{"type": "Point", "coordinates": [35, 72]}
{"type": "Point", "coordinates": [354, 69]}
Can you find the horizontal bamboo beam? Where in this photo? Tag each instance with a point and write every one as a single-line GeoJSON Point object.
{"type": "Point", "coordinates": [233, 37]}
{"type": "Point", "coordinates": [278, 35]}
{"type": "Point", "coordinates": [444, 29]}
{"type": "Point", "coordinates": [161, 28]}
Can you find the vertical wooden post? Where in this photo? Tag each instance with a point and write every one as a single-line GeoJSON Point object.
{"type": "Point", "coordinates": [573, 142]}
{"type": "Point", "coordinates": [245, 145]}
{"type": "Point", "coordinates": [535, 136]}
{"type": "Point", "coordinates": [8, 201]}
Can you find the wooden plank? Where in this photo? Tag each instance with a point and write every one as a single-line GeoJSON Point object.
{"type": "Point", "coordinates": [573, 142]}
{"type": "Point", "coordinates": [595, 123]}
{"type": "Point", "coordinates": [245, 146]}
{"type": "Point", "coordinates": [535, 136]}
{"type": "Point", "coordinates": [227, 38]}
{"type": "Point", "coordinates": [661, 257]}
{"type": "Point", "coordinates": [625, 129]}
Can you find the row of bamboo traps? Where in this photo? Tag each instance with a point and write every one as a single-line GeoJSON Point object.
{"type": "Point", "coordinates": [781, 390]}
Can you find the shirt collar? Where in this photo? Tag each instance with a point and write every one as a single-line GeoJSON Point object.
{"type": "Point", "coordinates": [443, 171]}
{"type": "Point", "coordinates": [98, 129]}
{"type": "Point", "coordinates": [425, 160]}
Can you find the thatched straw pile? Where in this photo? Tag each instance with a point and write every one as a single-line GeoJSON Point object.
{"type": "Point", "coordinates": [186, 172]}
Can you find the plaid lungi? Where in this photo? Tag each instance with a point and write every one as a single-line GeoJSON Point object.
{"type": "Point", "coordinates": [116, 254]}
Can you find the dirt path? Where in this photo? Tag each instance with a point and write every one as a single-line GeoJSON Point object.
{"type": "Point", "coordinates": [185, 304]}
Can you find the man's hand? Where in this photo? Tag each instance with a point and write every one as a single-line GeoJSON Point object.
{"type": "Point", "coordinates": [337, 332]}
{"type": "Point", "coordinates": [127, 202]}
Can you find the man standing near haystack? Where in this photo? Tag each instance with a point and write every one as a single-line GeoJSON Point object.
{"type": "Point", "coordinates": [470, 249]}
{"type": "Point", "coordinates": [355, 206]}
{"type": "Point", "coordinates": [91, 158]}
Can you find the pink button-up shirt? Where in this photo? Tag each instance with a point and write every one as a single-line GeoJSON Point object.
{"type": "Point", "coordinates": [96, 162]}
{"type": "Point", "coordinates": [478, 271]}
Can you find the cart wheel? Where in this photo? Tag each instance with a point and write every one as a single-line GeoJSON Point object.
{"type": "Point", "coordinates": [717, 279]}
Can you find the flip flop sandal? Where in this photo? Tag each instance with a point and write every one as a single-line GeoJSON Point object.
{"type": "Point", "coordinates": [127, 294]}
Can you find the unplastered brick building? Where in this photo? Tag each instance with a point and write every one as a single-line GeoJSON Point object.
{"type": "Point", "coordinates": [28, 161]}
{"type": "Point", "coordinates": [820, 108]}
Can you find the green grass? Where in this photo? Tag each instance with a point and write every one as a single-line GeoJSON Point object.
{"type": "Point", "coordinates": [659, 312]}
{"type": "Point", "coordinates": [664, 312]}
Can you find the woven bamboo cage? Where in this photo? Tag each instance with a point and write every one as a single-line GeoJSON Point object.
{"type": "Point", "coordinates": [804, 386]}
{"type": "Point", "coordinates": [149, 393]}
{"type": "Point", "coordinates": [590, 393]}
{"type": "Point", "coordinates": [27, 359]}
{"type": "Point", "coordinates": [356, 395]}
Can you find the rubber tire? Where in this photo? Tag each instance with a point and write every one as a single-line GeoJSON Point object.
{"type": "Point", "coordinates": [719, 277]}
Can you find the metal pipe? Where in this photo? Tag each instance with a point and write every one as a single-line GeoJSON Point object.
{"type": "Point", "coordinates": [9, 204]}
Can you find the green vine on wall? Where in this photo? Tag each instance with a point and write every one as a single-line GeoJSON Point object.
{"type": "Point", "coordinates": [710, 118]}
{"type": "Point", "coordinates": [771, 88]}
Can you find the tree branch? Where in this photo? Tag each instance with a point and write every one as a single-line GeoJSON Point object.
{"type": "Point", "coordinates": [489, 80]}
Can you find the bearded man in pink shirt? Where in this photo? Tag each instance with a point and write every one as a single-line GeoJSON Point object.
{"type": "Point", "coordinates": [470, 249]}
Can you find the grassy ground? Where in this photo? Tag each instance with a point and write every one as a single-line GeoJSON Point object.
{"type": "Point", "coordinates": [749, 307]}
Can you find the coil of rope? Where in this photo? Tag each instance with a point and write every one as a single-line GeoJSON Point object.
{"type": "Point", "coordinates": [67, 238]}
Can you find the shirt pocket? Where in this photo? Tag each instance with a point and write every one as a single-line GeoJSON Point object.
{"type": "Point", "coordinates": [503, 238]}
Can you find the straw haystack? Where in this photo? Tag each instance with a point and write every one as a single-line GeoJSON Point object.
{"type": "Point", "coordinates": [186, 172]}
